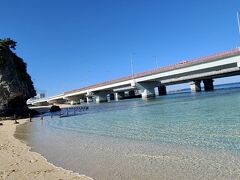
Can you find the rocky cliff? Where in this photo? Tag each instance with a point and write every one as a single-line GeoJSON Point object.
{"type": "Point", "coordinates": [16, 86]}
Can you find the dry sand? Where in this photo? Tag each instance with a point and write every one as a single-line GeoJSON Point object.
{"type": "Point", "coordinates": [17, 162]}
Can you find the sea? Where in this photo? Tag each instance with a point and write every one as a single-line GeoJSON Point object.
{"type": "Point", "coordinates": [182, 135]}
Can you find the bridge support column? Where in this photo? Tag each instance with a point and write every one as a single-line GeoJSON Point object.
{"type": "Point", "coordinates": [111, 96]}
{"type": "Point", "coordinates": [89, 96]}
{"type": "Point", "coordinates": [131, 93]}
{"type": "Point", "coordinates": [73, 99]}
{"type": "Point", "coordinates": [116, 96]}
{"type": "Point", "coordinates": [208, 84]}
{"type": "Point", "coordinates": [162, 90]}
{"type": "Point", "coordinates": [147, 93]}
{"type": "Point", "coordinates": [147, 88]}
{"type": "Point", "coordinates": [81, 100]}
{"type": "Point", "coordinates": [195, 86]}
{"type": "Point", "coordinates": [119, 95]}
{"type": "Point", "coordinates": [89, 99]}
{"type": "Point", "coordinates": [101, 96]}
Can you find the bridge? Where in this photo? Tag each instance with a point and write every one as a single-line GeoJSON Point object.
{"type": "Point", "coordinates": [153, 82]}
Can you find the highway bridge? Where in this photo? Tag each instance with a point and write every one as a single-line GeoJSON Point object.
{"type": "Point", "coordinates": [153, 82]}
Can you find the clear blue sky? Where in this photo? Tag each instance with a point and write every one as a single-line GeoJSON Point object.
{"type": "Point", "coordinates": [72, 43]}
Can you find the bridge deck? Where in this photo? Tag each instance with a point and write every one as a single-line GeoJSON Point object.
{"type": "Point", "coordinates": [181, 64]}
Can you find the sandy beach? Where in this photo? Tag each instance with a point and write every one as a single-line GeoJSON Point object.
{"type": "Point", "coordinates": [18, 162]}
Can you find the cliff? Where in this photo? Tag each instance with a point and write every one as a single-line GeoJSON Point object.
{"type": "Point", "coordinates": [16, 86]}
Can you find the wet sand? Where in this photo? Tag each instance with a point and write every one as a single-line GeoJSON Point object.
{"type": "Point", "coordinates": [18, 162]}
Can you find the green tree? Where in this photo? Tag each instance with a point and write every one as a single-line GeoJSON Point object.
{"type": "Point", "coordinates": [8, 43]}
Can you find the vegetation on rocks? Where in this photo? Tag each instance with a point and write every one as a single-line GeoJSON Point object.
{"type": "Point", "coordinates": [16, 86]}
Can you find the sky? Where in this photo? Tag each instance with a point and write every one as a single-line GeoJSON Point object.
{"type": "Point", "coordinates": [68, 44]}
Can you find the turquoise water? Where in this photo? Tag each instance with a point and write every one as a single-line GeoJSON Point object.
{"type": "Point", "coordinates": [206, 119]}
{"type": "Point", "coordinates": [198, 121]}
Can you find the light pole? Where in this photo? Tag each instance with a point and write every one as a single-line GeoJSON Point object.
{"type": "Point", "coordinates": [131, 59]}
{"type": "Point", "coordinates": [88, 84]}
{"type": "Point", "coordinates": [156, 61]}
{"type": "Point", "coordinates": [238, 20]}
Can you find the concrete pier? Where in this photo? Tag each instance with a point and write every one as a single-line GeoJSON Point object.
{"type": "Point", "coordinates": [72, 100]}
{"type": "Point", "coordinates": [111, 96]}
{"type": "Point", "coordinates": [162, 90]}
{"type": "Point", "coordinates": [208, 84]}
{"type": "Point", "coordinates": [147, 93]}
{"type": "Point", "coordinates": [195, 86]}
{"type": "Point", "coordinates": [89, 99]}
{"type": "Point", "coordinates": [147, 88]}
{"type": "Point", "coordinates": [101, 98]}
{"type": "Point", "coordinates": [116, 97]}
{"type": "Point", "coordinates": [119, 95]}
{"type": "Point", "coordinates": [131, 93]}
{"type": "Point", "coordinates": [82, 100]}
{"type": "Point", "coordinates": [89, 96]}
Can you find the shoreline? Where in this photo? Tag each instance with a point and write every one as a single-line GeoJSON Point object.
{"type": "Point", "coordinates": [18, 161]}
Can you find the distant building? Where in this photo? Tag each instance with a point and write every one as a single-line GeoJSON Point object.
{"type": "Point", "coordinates": [40, 95]}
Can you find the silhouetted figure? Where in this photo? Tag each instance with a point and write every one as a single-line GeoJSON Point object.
{"type": "Point", "coordinates": [15, 119]}
{"type": "Point", "coordinates": [30, 117]}
{"type": "Point", "coordinates": [41, 116]}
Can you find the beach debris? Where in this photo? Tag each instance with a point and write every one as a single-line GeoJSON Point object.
{"type": "Point", "coordinates": [10, 172]}
{"type": "Point", "coordinates": [33, 160]}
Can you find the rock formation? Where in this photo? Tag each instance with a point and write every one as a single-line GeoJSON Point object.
{"type": "Point", "coordinates": [16, 86]}
{"type": "Point", "coordinates": [55, 108]}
